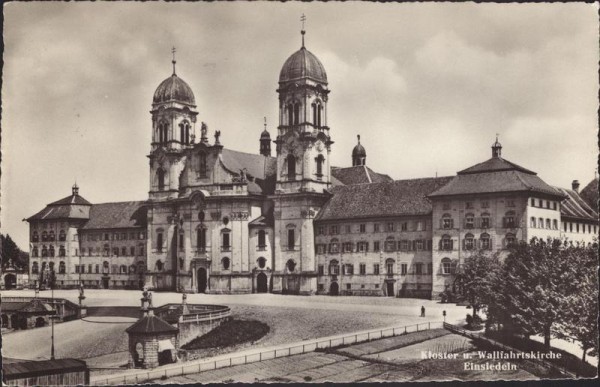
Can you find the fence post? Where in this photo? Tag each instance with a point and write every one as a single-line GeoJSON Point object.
{"type": "Point", "coordinates": [356, 338]}
{"type": "Point", "coordinates": [429, 325]}
{"type": "Point", "coordinates": [302, 348]}
{"type": "Point", "coordinates": [245, 359]}
{"type": "Point", "coordinates": [405, 329]}
{"type": "Point", "coordinates": [417, 327]}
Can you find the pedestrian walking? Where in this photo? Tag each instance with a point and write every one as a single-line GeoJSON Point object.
{"type": "Point", "coordinates": [422, 311]}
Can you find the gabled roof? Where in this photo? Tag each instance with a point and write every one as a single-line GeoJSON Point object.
{"type": "Point", "coordinates": [28, 368]}
{"type": "Point", "coordinates": [72, 199]}
{"type": "Point", "coordinates": [34, 305]}
{"type": "Point", "coordinates": [495, 164]}
{"type": "Point", "coordinates": [590, 194]}
{"type": "Point", "coordinates": [117, 215]}
{"type": "Point", "coordinates": [575, 207]}
{"type": "Point", "coordinates": [151, 324]}
{"type": "Point", "coordinates": [495, 182]}
{"type": "Point", "coordinates": [359, 174]}
{"type": "Point", "coordinates": [257, 166]}
{"type": "Point", "coordinates": [393, 198]}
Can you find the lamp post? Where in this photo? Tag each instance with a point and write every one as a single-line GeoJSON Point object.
{"type": "Point", "coordinates": [54, 314]}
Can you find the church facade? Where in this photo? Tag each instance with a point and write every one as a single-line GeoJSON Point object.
{"type": "Point", "coordinates": [222, 221]}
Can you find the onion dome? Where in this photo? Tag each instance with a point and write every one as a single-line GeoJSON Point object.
{"type": "Point", "coordinates": [174, 89]}
{"type": "Point", "coordinates": [303, 64]}
{"type": "Point", "coordinates": [359, 150]}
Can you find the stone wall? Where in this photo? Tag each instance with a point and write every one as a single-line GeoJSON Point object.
{"type": "Point", "coordinates": [189, 330]}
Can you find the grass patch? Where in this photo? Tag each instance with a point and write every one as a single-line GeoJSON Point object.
{"type": "Point", "coordinates": [230, 333]}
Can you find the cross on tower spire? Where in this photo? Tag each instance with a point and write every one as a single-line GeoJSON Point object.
{"type": "Point", "coordinates": [302, 19]}
{"type": "Point", "coordinates": [173, 50]}
{"type": "Point", "coordinates": [265, 123]}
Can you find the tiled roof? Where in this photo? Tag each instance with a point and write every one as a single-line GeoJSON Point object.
{"type": "Point", "coordinates": [258, 166]}
{"type": "Point", "coordinates": [590, 194]}
{"type": "Point", "coordinates": [575, 207]}
{"type": "Point", "coordinates": [71, 207]}
{"type": "Point", "coordinates": [393, 198]}
{"type": "Point", "coordinates": [300, 64]}
{"type": "Point", "coordinates": [151, 324]}
{"type": "Point", "coordinates": [491, 182]}
{"type": "Point", "coordinates": [42, 367]}
{"type": "Point", "coordinates": [116, 215]}
{"type": "Point", "coordinates": [359, 174]}
{"type": "Point", "coordinates": [495, 164]}
{"type": "Point", "coordinates": [34, 305]}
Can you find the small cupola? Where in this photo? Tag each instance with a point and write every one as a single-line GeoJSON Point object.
{"type": "Point", "coordinates": [359, 154]}
{"type": "Point", "coordinates": [75, 189]}
{"type": "Point", "coordinates": [265, 141]}
{"type": "Point", "coordinates": [497, 149]}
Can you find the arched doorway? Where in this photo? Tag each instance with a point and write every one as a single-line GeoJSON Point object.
{"type": "Point", "coordinates": [202, 280]}
{"type": "Point", "coordinates": [14, 321]}
{"type": "Point", "coordinates": [10, 281]}
{"type": "Point", "coordinates": [334, 289]}
{"type": "Point", "coordinates": [40, 322]}
{"type": "Point", "coordinates": [261, 283]}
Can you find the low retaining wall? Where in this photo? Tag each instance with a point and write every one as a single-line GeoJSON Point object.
{"type": "Point", "coordinates": [195, 325]}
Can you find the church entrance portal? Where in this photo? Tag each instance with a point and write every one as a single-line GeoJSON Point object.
{"type": "Point", "coordinates": [202, 280]}
{"type": "Point", "coordinates": [334, 289]}
{"type": "Point", "coordinates": [10, 281]}
{"type": "Point", "coordinates": [261, 283]}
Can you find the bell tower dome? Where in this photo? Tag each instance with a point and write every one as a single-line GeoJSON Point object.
{"type": "Point", "coordinates": [173, 125]}
{"type": "Point", "coordinates": [303, 143]}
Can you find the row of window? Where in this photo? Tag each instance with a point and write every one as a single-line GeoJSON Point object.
{"type": "Point", "coordinates": [48, 236]}
{"type": "Point", "coordinates": [376, 227]}
{"type": "Point", "coordinates": [541, 203]}
{"type": "Point", "coordinates": [568, 226]}
{"type": "Point", "coordinates": [471, 243]}
{"type": "Point", "coordinates": [291, 161]}
{"type": "Point", "coordinates": [482, 204]}
{"type": "Point", "coordinates": [485, 221]}
{"type": "Point", "coordinates": [348, 269]}
{"type": "Point", "coordinates": [48, 251]}
{"type": "Point", "coordinates": [117, 236]}
{"type": "Point", "coordinates": [293, 113]}
{"type": "Point", "coordinates": [140, 267]}
{"type": "Point", "coordinates": [539, 223]}
{"type": "Point", "coordinates": [184, 129]}
{"type": "Point", "coordinates": [390, 244]}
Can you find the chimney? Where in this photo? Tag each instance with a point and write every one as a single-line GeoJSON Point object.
{"type": "Point", "coordinates": [575, 185]}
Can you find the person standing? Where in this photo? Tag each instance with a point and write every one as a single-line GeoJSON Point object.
{"type": "Point", "coordinates": [422, 311]}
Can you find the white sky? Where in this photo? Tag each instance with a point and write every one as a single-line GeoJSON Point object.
{"type": "Point", "coordinates": [426, 85]}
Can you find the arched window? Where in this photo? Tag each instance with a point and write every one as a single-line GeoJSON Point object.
{"type": "Point", "coordinates": [34, 268]}
{"type": "Point", "coordinates": [184, 129]}
{"type": "Point", "coordinates": [446, 243]}
{"type": "Point", "coordinates": [51, 251]}
{"type": "Point", "coordinates": [334, 246]}
{"type": "Point", "coordinates": [159, 240]}
{"type": "Point", "coordinates": [262, 240]}
{"type": "Point", "coordinates": [485, 220]}
{"type": "Point", "coordinates": [202, 164]}
{"type": "Point", "coordinates": [262, 262]}
{"type": "Point", "coordinates": [34, 252]}
{"type": "Point", "coordinates": [62, 236]}
{"type": "Point", "coordinates": [34, 236]}
{"type": "Point", "coordinates": [44, 236]}
{"type": "Point", "coordinates": [291, 167]}
{"type": "Point", "coordinates": [446, 266]}
{"type": "Point", "coordinates": [123, 251]}
{"type": "Point", "coordinates": [320, 159]}
{"type": "Point", "coordinates": [469, 220]}
{"type": "Point", "coordinates": [533, 221]}
{"type": "Point", "coordinates": [509, 220]}
{"type": "Point", "coordinates": [290, 114]}
{"type": "Point", "coordinates": [485, 241]}
{"type": "Point", "coordinates": [549, 224]}
{"type": "Point", "coordinates": [141, 267]}
{"type": "Point", "coordinates": [225, 239]}
{"type": "Point", "coordinates": [447, 222]}
{"type": "Point", "coordinates": [290, 265]}
{"type": "Point", "coordinates": [296, 113]}
{"type": "Point", "coordinates": [389, 266]}
{"type": "Point", "coordinates": [51, 266]}
{"type": "Point", "coordinates": [51, 236]}
{"type": "Point", "coordinates": [314, 114]}
{"type": "Point", "coordinates": [469, 242]}
{"type": "Point", "coordinates": [334, 267]}
{"type": "Point", "coordinates": [44, 251]}
{"type": "Point", "coordinates": [225, 263]}
{"type": "Point", "coordinates": [61, 251]}
{"type": "Point", "coordinates": [163, 129]}
{"type": "Point", "coordinates": [201, 239]}
{"type": "Point", "coordinates": [510, 240]}
{"type": "Point", "coordinates": [105, 267]}
{"type": "Point", "coordinates": [319, 112]}
{"type": "Point", "coordinates": [160, 176]}
{"type": "Point", "coordinates": [123, 269]}
{"type": "Point", "coordinates": [159, 265]}
{"type": "Point", "coordinates": [62, 268]}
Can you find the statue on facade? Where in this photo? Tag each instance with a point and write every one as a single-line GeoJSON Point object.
{"type": "Point", "coordinates": [217, 135]}
{"type": "Point", "coordinates": [203, 133]}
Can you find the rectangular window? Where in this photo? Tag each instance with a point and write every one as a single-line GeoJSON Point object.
{"type": "Point", "coordinates": [141, 251]}
{"type": "Point", "coordinates": [430, 268]}
{"type": "Point", "coordinates": [376, 227]}
{"type": "Point", "coordinates": [485, 222]}
{"type": "Point", "coordinates": [321, 230]}
{"type": "Point", "coordinates": [348, 229]}
{"type": "Point", "coordinates": [403, 269]}
{"type": "Point", "coordinates": [485, 204]}
{"type": "Point", "coordinates": [181, 241]}
{"type": "Point", "coordinates": [124, 236]}
{"type": "Point", "coordinates": [348, 269]}
{"type": "Point", "coordinates": [225, 239]}
{"type": "Point", "coordinates": [362, 227]}
{"type": "Point", "coordinates": [347, 247]}
{"type": "Point", "coordinates": [320, 249]}
{"type": "Point", "coordinates": [362, 247]}
{"type": "Point", "coordinates": [132, 251]}
{"type": "Point", "coordinates": [348, 286]}
{"type": "Point", "coordinates": [548, 204]}
{"type": "Point", "coordinates": [390, 268]}
{"type": "Point", "coordinates": [468, 205]}
{"type": "Point", "coordinates": [577, 227]}
{"type": "Point", "coordinates": [532, 202]}
{"type": "Point", "coordinates": [390, 245]}
{"type": "Point", "coordinates": [420, 225]}
{"type": "Point", "coordinates": [404, 226]}
{"type": "Point", "coordinates": [291, 239]}
{"type": "Point", "coordinates": [419, 245]}
{"type": "Point", "coordinates": [554, 206]}
{"type": "Point", "coordinates": [321, 270]}
{"type": "Point", "coordinates": [97, 269]}
{"type": "Point", "coordinates": [333, 230]}
{"type": "Point", "coordinates": [548, 223]}
{"type": "Point", "coordinates": [376, 269]}
{"type": "Point", "coordinates": [390, 226]}
{"type": "Point", "coordinates": [469, 221]}
{"type": "Point", "coordinates": [89, 268]}
{"type": "Point", "coordinates": [106, 237]}
{"type": "Point", "coordinates": [510, 203]}
{"type": "Point", "coordinates": [447, 223]}
{"type": "Point", "coordinates": [403, 245]}
{"type": "Point", "coordinates": [419, 268]}
{"type": "Point", "coordinates": [376, 246]}
{"type": "Point", "coordinates": [570, 227]}
{"type": "Point", "coordinates": [363, 269]}
{"type": "Point", "coordinates": [76, 269]}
